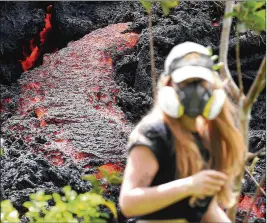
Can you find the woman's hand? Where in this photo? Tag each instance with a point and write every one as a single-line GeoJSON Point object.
{"type": "Point", "coordinates": [207, 183]}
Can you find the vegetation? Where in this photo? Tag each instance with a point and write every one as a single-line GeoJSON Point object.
{"type": "Point", "coordinates": [71, 207]}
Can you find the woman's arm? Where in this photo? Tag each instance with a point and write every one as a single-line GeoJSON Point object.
{"type": "Point", "coordinates": [215, 214]}
{"type": "Point", "coordinates": [136, 198]}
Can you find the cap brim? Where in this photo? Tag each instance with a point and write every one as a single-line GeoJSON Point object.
{"type": "Point", "coordinates": [187, 72]}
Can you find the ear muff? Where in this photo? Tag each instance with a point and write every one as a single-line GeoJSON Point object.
{"type": "Point", "coordinates": [214, 105]}
{"type": "Point", "coordinates": [169, 102]}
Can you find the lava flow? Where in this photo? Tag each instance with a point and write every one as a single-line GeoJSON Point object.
{"type": "Point", "coordinates": [35, 50]}
{"type": "Point", "coordinates": [69, 103]}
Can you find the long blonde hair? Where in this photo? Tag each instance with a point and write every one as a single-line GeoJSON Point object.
{"type": "Point", "coordinates": [220, 136]}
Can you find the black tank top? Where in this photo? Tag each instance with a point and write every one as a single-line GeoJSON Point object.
{"type": "Point", "coordinates": [158, 138]}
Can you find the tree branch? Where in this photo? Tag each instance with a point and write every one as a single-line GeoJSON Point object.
{"type": "Point", "coordinates": [238, 64]}
{"type": "Point", "coordinates": [224, 44]}
{"type": "Point", "coordinates": [257, 86]}
{"type": "Point", "coordinates": [263, 179]}
{"type": "Point", "coordinates": [254, 180]}
{"type": "Point", "coordinates": [251, 156]}
{"type": "Point", "coordinates": [153, 74]}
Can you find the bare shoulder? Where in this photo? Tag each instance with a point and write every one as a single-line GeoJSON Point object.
{"type": "Point", "coordinates": [141, 167]}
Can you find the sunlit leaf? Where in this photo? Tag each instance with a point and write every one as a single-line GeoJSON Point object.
{"type": "Point", "coordinates": [116, 180]}
{"type": "Point", "coordinates": [38, 196]}
{"type": "Point", "coordinates": [254, 5]}
{"type": "Point", "coordinates": [104, 215]}
{"type": "Point", "coordinates": [104, 172]}
{"type": "Point", "coordinates": [165, 9]}
{"type": "Point", "coordinates": [146, 4]}
{"type": "Point", "coordinates": [1, 151]}
{"type": "Point", "coordinates": [66, 189]}
{"type": "Point", "coordinates": [260, 19]}
{"type": "Point", "coordinates": [167, 5]}
{"type": "Point", "coordinates": [6, 204]}
{"type": "Point", "coordinates": [210, 50]}
{"type": "Point", "coordinates": [215, 57]}
{"type": "Point", "coordinates": [89, 177]}
{"type": "Point", "coordinates": [112, 207]}
{"type": "Point", "coordinates": [218, 66]}
{"type": "Point", "coordinates": [230, 15]}
{"type": "Point", "coordinates": [57, 197]}
{"type": "Point", "coordinates": [253, 164]}
{"type": "Point", "coordinates": [98, 220]}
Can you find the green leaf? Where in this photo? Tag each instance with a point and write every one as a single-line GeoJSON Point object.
{"type": "Point", "coordinates": [215, 57]}
{"type": "Point", "coordinates": [96, 184]}
{"type": "Point", "coordinates": [146, 4]}
{"type": "Point", "coordinates": [115, 180]}
{"type": "Point", "coordinates": [210, 50]}
{"type": "Point", "coordinates": [6, 204]}
{"type": "Point", "coordinates": [260, 19]}
{"type": "Point", "coordinates": [112, 207]}
{"type": "Point", "coordinates": [47, 197]}
{"type": "Point", "coordinates": [104, 215]}
{"type": "Point", "coordinates": [96, 199]}
{"type": "Point", "coordinates": [167, 5]}
{"type": "Point", "coordinates": [231, 14]}
{"type": "Point", "coordinates": [254, 5]}
{"type": "Point", "coordinates": [57, 197]}
{"type": "Point", "coordinates": [98, 220]}
{"type": "Point", "coordinates": [165, 9]}
{"type": "Point", "coordinates": [66, 189]}
{"type": "Point", "coordinates": [38, 196]}
{"type": "Point", "coordinates": [1, 151]}
{"type": "Point", "coordinates": [253, 164]}
{"type": "Point", "coordinates": [89, 177]}
{"type": "Point", "coordinates": [170, 3]}
{"type": "Point", "coordinates": [13, 216]}
{"type": "Point", "coordinates": [28, 204]}
{"type": "Point", "coordinates": [218, 66]}
{"type": "Point", "coordinates": [104, 172]}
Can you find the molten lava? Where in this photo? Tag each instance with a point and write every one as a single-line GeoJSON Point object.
{"type": "Point", "coordinates": [35, 50]}
{"type": "Point", "coordinates": [110, 168]}
{"type": "Point", "coordinates": [258, 208]}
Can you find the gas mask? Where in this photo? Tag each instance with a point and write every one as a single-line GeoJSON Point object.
{"type": "Point", "coordinates": [194, 98]}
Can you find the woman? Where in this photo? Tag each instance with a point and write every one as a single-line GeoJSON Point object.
{"type": "Point", "coordinates": [185, 154]}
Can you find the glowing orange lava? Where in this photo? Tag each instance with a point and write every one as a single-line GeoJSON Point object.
{"type": "Point", "coordinates": [110, 168]}
{"type": "Point", "coordinates": [35, 50]}
{"type": "Point", "coordinates": [245, 204]}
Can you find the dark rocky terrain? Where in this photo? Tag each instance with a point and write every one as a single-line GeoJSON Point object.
{"type": "Point", "coordinates": [73, 110]}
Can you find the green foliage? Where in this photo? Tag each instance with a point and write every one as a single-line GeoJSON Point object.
{"type": "Point", "coordinates": [69, 208]}
{"type": "Point", "coordinates": [8, 212]}
{"type": "Point", "coordinates": [250, 15]}
{"type": "Point", "coordinates": [217, 66]}
{"type": "Point", "coordinates": [108, 178]}
{"type": "Point", "coordinates": [96, 184]}
{"type": "Point", "coordinates": [166, 5]}
{"type": "Point", "coordinates": [111, 178]}
{"type": "Point", "coordinates": [1, 151]}
{"type": "Point", "coordinates": [146, 4]}
{"type": "Point", "coordinates": [214, 58]}
{"type": "Point", "coordinates": [253, 164]}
